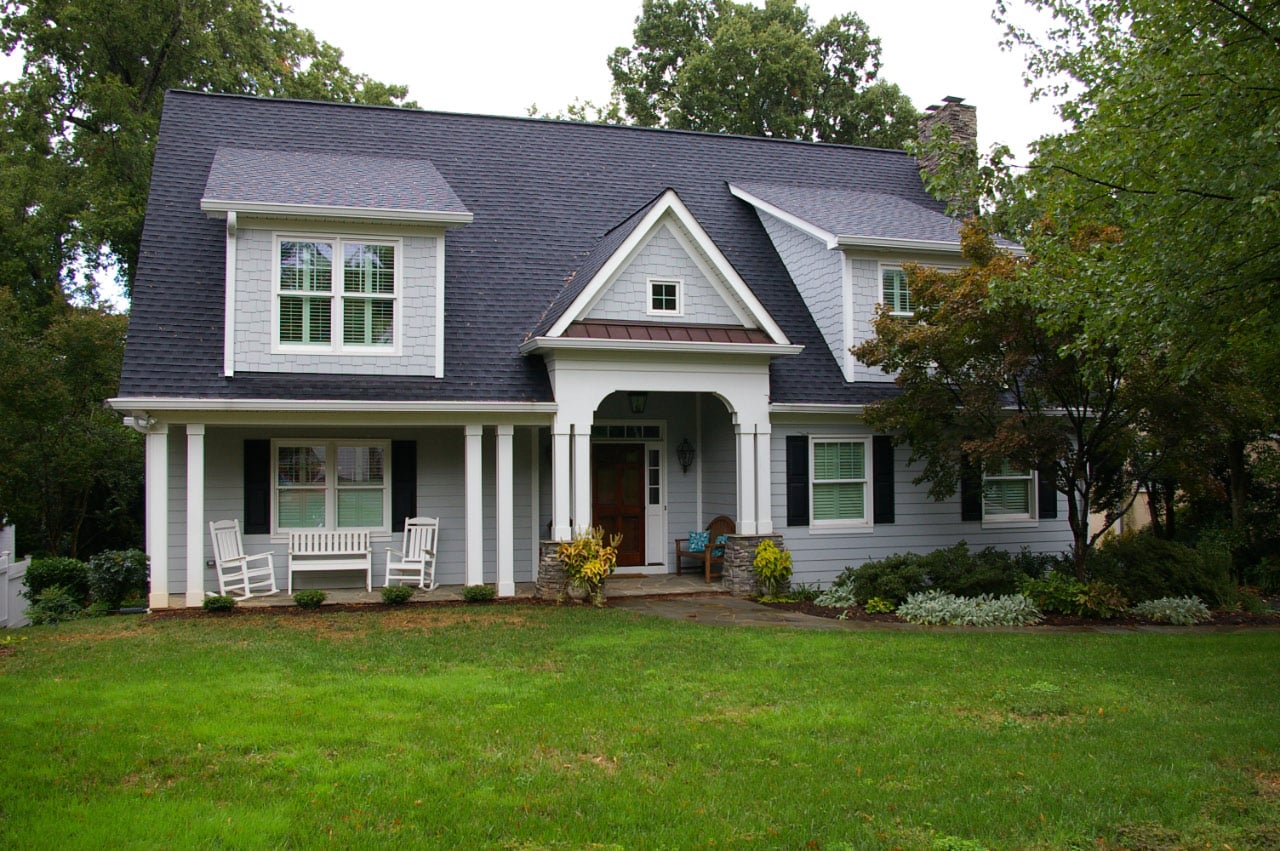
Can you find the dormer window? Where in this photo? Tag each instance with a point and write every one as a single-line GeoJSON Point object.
{"type": "Point", "coordinates": [665, 297]}
{"type": "Point", "coordinates": [896, 296]}
{"type": "Point", "coordinates": [347, 306]}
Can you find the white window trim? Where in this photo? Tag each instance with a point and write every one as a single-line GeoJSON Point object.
{"type": "Point", "coordinates": [866, 524]}
{"type": "Point", "coordinates": [648, 304]}
{"type": "Point", "coordinates": [1006, 521]}
{"type": "Point", "coordinates": [331, 483]}
{"type": "Point", "coordinates": [336, 295]}
{"type": "Point", "coordinates": [891, 267]}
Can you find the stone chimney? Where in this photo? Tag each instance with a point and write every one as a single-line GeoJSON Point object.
{"type": "Point", "coordinates": [956, 114]}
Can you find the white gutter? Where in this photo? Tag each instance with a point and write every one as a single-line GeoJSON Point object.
{"type": "Point", "coordinates": [160, 403]}
{"type": "Point", "coordinates": [213, 205]}
{"type": "Point", "coordinates": [593, 344]}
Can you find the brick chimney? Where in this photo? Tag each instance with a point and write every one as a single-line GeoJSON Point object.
{"type": "Point", "coordinates": [956, 114]}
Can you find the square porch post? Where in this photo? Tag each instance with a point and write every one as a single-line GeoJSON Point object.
{"type": "Point", "coordinates": [746, 479]}
{"type": "Point", "coordinates": [581, 477]}
{"type": "Point", "coordinates": [157, 498]}
{"type": "Point", "coordinates": [474, 504]}
{"type": "Point", "coordinates": [505, 510]}
{"type": "Point", "coordinates": [195, 514]}
{"type": "Point", "coordinates": [764, 481]}
{"type": "Point", "coordinates": [561, 488]}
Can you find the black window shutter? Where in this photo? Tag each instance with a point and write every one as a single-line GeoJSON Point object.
{"type": "Point", "coordinates": [882, 477]}
{"type": "Point", "coordinates": [404, 482]}
{"type": "Point", "coordinates": [797, 480]}
{"type": "Point", "coordinates": [257, 487]}
{"type": "Point", "coordinates": [970, 490]}
{"type": "Point", "coordinates": [1047, 498]}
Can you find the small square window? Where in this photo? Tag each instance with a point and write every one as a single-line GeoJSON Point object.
{"type": "Point", "coordinates": [664, 296]}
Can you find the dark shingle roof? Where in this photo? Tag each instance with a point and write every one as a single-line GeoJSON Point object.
{"type": "Point", "coordinates": [544, 195]}
{"type": "Point", "coordinates": [853, 213]}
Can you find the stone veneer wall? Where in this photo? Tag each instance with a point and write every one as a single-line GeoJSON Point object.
{"type": "Point", "coordinates": [551, 583]}
{"type": "Point", "coordinates": [739, 569]}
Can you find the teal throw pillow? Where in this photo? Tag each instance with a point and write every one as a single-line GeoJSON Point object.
{"type": "Point", "coordinates": [698, 541]}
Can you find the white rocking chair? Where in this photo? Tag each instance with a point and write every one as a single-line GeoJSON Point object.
{"type": "Point", "coordinates": [417, 562]}
{"type": "Point", "coordinates": [236, 577]}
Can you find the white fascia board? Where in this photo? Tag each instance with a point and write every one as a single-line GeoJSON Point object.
{"type": "Point", "coordinates": [848, 241]}
{"type": "Point", "coordinates": [588, 344]}
{"type": "Point", "coordinates": [812, 409]}
{"type": "Point", "coordinates": [790, 218]}
{"type": "Point", "coordinates": [160, 403]}
{"type": "Point", "coordinates": [669, 203]}
{"type": "Point", "coordinates": [218, 208]}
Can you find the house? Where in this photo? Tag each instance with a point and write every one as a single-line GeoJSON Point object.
{"type": "Point", "coordinates": [347, 315]}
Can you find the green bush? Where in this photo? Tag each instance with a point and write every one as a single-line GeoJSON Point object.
{"type": "Point", "coordinates": [1183, 611]}
{"type": "Point", "coordinates": [879, 606]}
{"type": "Point", "coordinates": [773, 567]}
{"type": "Point", "coordinates": [1063, 593]}
{"type": "Point", "coordinates": [893, 578]}
{"type": "Point", "coordinates": [219, 603]}
{"type": "Point", "coordinates": [479, 593]}
{"type": "Point", "coordinates": [69, 574]}
{"type": "Point", "coordinates": [939, 607]}
{"type": "Point", "coordinates": [1145, 567]}
{"type": "Point", "coordinates": [805, 591]}
{"type": "Point", "coordinates": [53, 605]}
{"type": "Point", "coordinates": [965, 574]}
{"type": "Point", "coordinates": [116, 576]}
{"type": "Point", "coordinates": [396, 595]}
{"type": "Point", "coordinates": [310, 599]}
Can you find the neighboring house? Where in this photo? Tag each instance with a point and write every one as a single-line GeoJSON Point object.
{"type": "Point", "coordinates": [348, 315]}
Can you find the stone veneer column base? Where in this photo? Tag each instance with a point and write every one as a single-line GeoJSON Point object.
{"type": "Point", "coordinates": [739, 569]}
{"type": "Point", "coordinates": [551, 583]}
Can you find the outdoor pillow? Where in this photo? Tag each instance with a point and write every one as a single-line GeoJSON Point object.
{"type": "Point", "coordinates": [698, 541]}
{"type": "Point", "coordinates": [721, 540]}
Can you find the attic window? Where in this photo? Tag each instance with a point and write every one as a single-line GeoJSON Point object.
{"type": "Point", "coordinates": [895, 293]}
{"type": "Point", "coordinates": [665, 296]}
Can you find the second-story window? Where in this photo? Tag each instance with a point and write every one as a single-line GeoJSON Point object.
{"type": "Point", "coordinates": [895, 293]}
{"type": "Point", "coordinates": [337, 294]}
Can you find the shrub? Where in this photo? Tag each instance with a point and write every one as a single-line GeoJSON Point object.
{"type": "Point", "coordinates": [116, 576]}
{"type": "Point", "coordinates": [396, 595]}
{"type": "Point", "coordinates": [805, 592]}
{"type": "Point", "coordinates": [310, 599]}
{"type": "Point", "coordinates": [838, 595]}
{"type": "Point", "coordinates": [966, 574]}
{"type": "Point", "coordinates": [479, 593]}
{"type": "Point", "coordinates": [1063, 593]}
{"type": "Point", "coordinates": [69, 574]}
{"type": "Point", "coordinates": [893, 578]}
{"type": "Point", "coordinates": [1183, 611]}
{"type": "Point", "coordinates": [1145, 567]}
{"type": "Point", "coordinates": [587, 560]}
{"type": "Point", "coordinates": [773, 567]}
{"type": "Point", "coordinates": [53, 605]}
{"type": "Point", "coordinates": [939, 607]}
{"type": "Point", "coordinates": [219, 603]}
{"type": "Point", "coordinates": [879, 606]}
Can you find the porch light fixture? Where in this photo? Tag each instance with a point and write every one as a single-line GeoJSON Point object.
{"type": "Point", "coordinates": [684, 454]}
{"type": "Point", "coordinates": [638, 401]}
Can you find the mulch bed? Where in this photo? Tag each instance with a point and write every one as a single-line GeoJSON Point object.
{"type": "Point", "coordinates": [857, 613]}
{"type": "Point", "coordinates": [291, 610]}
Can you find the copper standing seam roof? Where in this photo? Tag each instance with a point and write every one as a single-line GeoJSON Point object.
{"type": "Point", "coordinates": [663, 332]}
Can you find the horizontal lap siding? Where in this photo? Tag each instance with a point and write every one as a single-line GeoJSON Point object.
{"type": "Point", "coordinates": [921, 524]}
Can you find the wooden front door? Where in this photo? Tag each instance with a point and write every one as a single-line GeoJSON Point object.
{"type": "Point", "coordinates": [617, 497]}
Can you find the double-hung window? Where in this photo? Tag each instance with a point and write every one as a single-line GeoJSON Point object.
{"type": "Point", "coordinates": [337, 294]}
{"type": "Point", "coordinates": [333, 484]}
{"type": "Point", "coordinates": [838, 485]}
{"type": "Point", "coordinates": [894, 292]}
{"type": "Point", "coordinates": [1008, 492]}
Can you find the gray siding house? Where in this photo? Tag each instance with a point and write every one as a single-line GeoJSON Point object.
{"type": "Point", "coordinates": [344, 316]}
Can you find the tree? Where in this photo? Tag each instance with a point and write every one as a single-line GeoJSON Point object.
{"type": "Point", "coordinates": [726, 67]}
{"type": "Point", "coordinates": [70, 471]}
{"type": "Point", "coordinates": [984, 380]}
{"type": "Point", "coordinates": [79, 128]}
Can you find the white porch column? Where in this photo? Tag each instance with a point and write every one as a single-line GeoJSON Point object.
{"type": "Point", "coordinates": [195, 514]}
{"type": "Point", "coordinates": [157, 483]}
{"type": "Point", "coordinates": [581, 477]}
{"type": "Point", "coordinates": [505, 492]}
{"type": "Point", "coordinates": [746, 479]}
{"type": "Point", "coordinates": [561, 487]}
{"type": "Point", "coordinates": [764, 481]}
{"type": "Point", "coordinates": [474, 504]}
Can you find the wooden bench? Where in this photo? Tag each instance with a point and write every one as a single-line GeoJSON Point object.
{"type": "Point", "coordinates": [324, 551]}
{"type": "Point", "coordinates": [707, 557]}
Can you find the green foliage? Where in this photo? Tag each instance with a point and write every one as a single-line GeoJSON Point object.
{"type": "Point", "coordinates": [879, 606]}
{"type": "Point", "coordinates": [939, 607]}
{"type": "Point", "coordinates": [116, 576]}
{"type": "Point", "coordinates": [1145, 567]}
{"type": "Point", "coordinates": [310, 599]}
{"type": "Point", "coordinates": [1063, 593]}
{"type": "Point", "coordinates": [1182, 611]}
{"type": "Point", "coordinates": [53, 605]}
{"type": "Point", "coordinates": [773, 567]}
{"type": "Point", "coordinates": [805, 591]}
{"type": "Point", "coordinates": [219, 603]}
{"type": "Point", "coordinates": [587, 560]}
{"type": "Point", "coordinates": [894, 578]}
{"type": "Point", "coordinates": [396, 595]}
{"type": "Point", "coordinates": [727, 67]}
{"type": "Point", "coordinates": [479, 593]}
{"type": "Point", "coordinates": [70, 471]}
{"type": "Point", "coordinates": [69, 574]}
{"type": "Point", "coordinates": [969, 574]}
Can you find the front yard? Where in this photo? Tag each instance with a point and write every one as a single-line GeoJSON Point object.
{"type": "Point", "coordinates": [526, 726]}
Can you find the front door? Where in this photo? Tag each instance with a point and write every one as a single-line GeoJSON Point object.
{"type": "Point", "coordinates": [617, 497]}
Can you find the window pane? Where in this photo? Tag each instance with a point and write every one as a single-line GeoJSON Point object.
{"type": "Point", "coordinates": [838, 460]}
{"type": "Point", "coordinates": [1007, 497]}
{"type": "Point", "coordinates": [360, 507]}
{"type": "Point", "coordinates": [839, 501]}
{"type": "Point", "coordinates": [301, 465]}
{"type": "Point", "coordinates": [664, 295]}
{"type": "Point", "coordinates": [359, 465]}
{"type": "Point", "coordinates": [368, 269]}
{"type": "Point", "coordinates": [299, 509]}
{"type": "Point", "coordinates": [306, 266]}
{"type": "Point", "coordinates": [896, 295]}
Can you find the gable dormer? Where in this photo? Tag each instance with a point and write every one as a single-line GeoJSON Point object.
{"type": "Point", "coordinates": [334, 262]}
{"type": "Point", "coordinates": [657, 280]}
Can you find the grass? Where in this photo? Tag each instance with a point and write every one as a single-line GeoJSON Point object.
{"type": "Point", "coordinates": [548, 727]}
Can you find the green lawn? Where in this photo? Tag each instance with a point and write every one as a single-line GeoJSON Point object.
{"type": "Point", "coordinates": [566, 727]}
